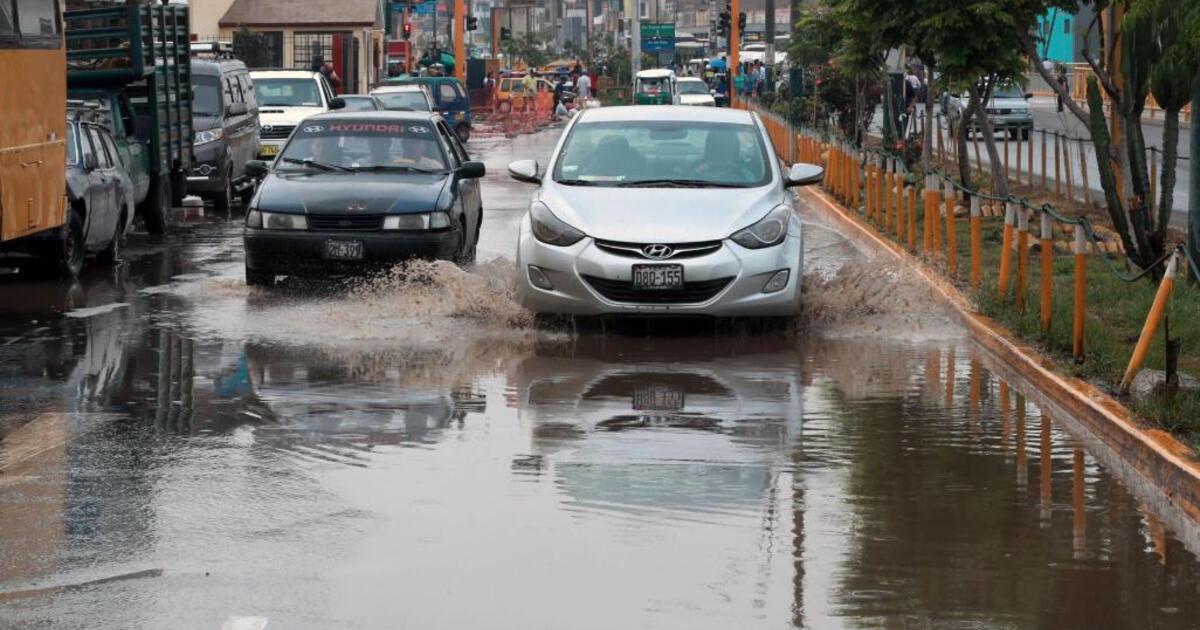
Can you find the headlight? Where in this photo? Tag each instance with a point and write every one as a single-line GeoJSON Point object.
{"type": "Point", "coordinates": [550, 229]}
{"type": "Point", "coordinates": [768, 231]}
{"type": "Point", "coordinates": [276, 220]}
{"type": "Point", "coordinates": [211, 135]}
{"type": "Point", "coordinates": [421, 221]}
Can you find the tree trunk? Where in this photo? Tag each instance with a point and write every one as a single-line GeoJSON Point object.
{"type": "Point", "coordinates": [927, 136]}
{"type": "Point", "coordinates": [962, 129]}
{"type": "Point", "coordinates": [996, 164]}
{"type": "Point", "coordinates": [1194, 189]}
{"type": "Point", "coordinates": [1166, 197]}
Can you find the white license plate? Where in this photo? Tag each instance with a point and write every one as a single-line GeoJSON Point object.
{"type": "Point", "coordinates": [657, 277]}
{"type": "Point", "coordinates": [657, 398]}
{"type": "Point", "coordinates": [343, 250]}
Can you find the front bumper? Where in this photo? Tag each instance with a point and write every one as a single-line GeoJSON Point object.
{"type": "Point", "coordinates": [1013, 121]}
{"type": "Point", "coordinates": [302, 252]}
{"type": "Point", "coordinates": [590, 281]}
{"type": "Point", "coordinates": [205, 174]}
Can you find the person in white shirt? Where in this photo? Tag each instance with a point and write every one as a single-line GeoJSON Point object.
{"type": "Point", "coordinates": [583, 87]}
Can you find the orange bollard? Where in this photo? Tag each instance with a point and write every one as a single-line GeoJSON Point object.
{"type": "Point", "coordinates": [1006, 248]}
{"type": "Point", "coordinates": [951, 232]}
{"type": "Point", "coordinates": [1047, 270]}
{"type": "Point", "coordinates": [1080, 293]}
{"type": "Point", "coordinates": [1022, 257]}
{"type": "Point", "coordinates": [936, 223]}
{"type": "Point", "coordinates": [900, 220]}
{"type": "Point", "coordinates": [890, 182]}
{"type": "Point", "coordinates": [897, 196]}
{"type": "Point", "coordinates": [912, 218]}
{"type": "Point", "coordinates": [1153, 319]}
{"type": "Point", "coordinates": [928, 214]}
{"type": "Point", "coordinates": [976, 242]}
{"type": "Point", "coordinates": [854, 183]}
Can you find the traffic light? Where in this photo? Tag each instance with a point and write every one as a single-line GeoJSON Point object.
{"type": "Point", "coordinates": [742, 22]}
{"type": "Point", "coordinates": [505, 33]}
{"type": "Point", "coordinates": [406, 30]}
{"type": "Point", "coordinates": [472, 22]}
{"type": "Point", "coordinates": [723, 23]}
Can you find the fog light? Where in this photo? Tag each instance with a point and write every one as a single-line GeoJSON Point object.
{"type": "Point", "coordinates": [538, 278]}
{"type": "Point", "coordinates": [777, 282]}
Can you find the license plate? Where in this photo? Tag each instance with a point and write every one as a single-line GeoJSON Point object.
{"type": "Point", "coordinates": [344, 250]}
{"type": "Point", "coordinates": [268, 150]}
{"type": "Point", "coordinates": [657, 398]}
{"type": "Point", "coordinates": [657, 277]}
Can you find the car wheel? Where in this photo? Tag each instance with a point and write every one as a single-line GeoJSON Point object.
{"type": "Point", "coordinates": [1014, 134]}
{"type": "Point", "coordinates": [463, 131]}
{"type": "Point", "coordinates": [463, 255]}
{"type": "Point", "coordinates": [156, 210]}
{"type": "Point", "coordinates": [69, 247]}
{"type": "Point", "coordinates": [259, 278]}
{"type": "Point", "coordinates": [112, 253]}
{"type": "Point", "coordinates": [224, 199]}
{"type": "Point", "coordinates": [1025, 133]}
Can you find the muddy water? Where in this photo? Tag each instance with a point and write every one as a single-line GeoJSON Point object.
{"type": "Point", "coordinates": [178, 451]}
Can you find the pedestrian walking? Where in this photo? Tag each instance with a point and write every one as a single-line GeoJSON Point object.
{"type": "Point", "coordinates": [1060, 78]}
{"type": "Point", "coordinates": [912, 91]}
{"type": "Point", "coordinates": [583, 86]}
{"type": "Point", "coordinates": [331, 76]}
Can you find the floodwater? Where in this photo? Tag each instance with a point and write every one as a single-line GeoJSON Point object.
{"type": "Point", "coordinates": [178, 451]}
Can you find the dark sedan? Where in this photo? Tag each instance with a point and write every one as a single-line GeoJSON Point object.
{"type": "Point", "coordinates": [354, 191]}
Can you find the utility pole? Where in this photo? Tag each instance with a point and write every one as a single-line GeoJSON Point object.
{"type": "Point", "coordinates": [769, 40]}
{"type": "Point", "coordinates": [735, 36]}
{"type": "Point", "coordinates": [635, 43]}
{"type": "Point", "coordinates": [460, 41]}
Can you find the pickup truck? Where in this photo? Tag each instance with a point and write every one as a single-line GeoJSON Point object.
{"type": "Point", "coordinates": [135, 61]}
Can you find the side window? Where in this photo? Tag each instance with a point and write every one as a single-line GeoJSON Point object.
{"type": "Point", "coordinates": [457, 146]}
{"type": "Point", "coordinates": [117, 158]}
{"type": "Point", "coordinates": [231, 91]}
{"type": "Point", "coordinates": [126, 115]}
{"type": "Point", "coordinates": [446, 93]}
{"type": "Point", "coordinates": [448, 145]}
{"type": "Point", "coordinates": [248, 91]}
{"type": "Point", "coordinates": [458, 89]}
{"type": "Point", "coordinates": [103, 159]}
{"type": "Point", "coordinates": [38, 18]}
{"type": "Point", "coordinates": [85, 144]}
{"type": "Point", "coordinates": [325, 89]}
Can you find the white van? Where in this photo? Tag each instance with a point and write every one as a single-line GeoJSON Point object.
{"type": "Point", "coordinates": [286, 97]}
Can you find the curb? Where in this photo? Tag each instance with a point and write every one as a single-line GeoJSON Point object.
{"type": "Point", "coordinates": [1155, 455]}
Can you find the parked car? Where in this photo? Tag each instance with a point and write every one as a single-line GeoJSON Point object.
{"type": "Point", "coordinates": [286, 97]}
{"type": "Point", "coordinates": [1008, 110]}
{"type": "Point", "coordinates": [693, 91]}
{"type": "Point", "coordinates": [98, 188]}
{"type": "Point", "coordinates": [351, 191]}
{"type": "Point", "coordinates": [662, 211]}
{"type": "Point", "coordinates": [413, 97]}
{"type": "Point", "coordinates": [225, 119]}
{"type": "Point", "coordinates": [361, 103]}
{"type": "Point", "coordinates": [449, 98]}
{"type": "Point", "coordinates": [654, 87]}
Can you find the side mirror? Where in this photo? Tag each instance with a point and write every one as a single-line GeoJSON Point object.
{"type": "Point", "coordinates": [89, 162]}
{"type": "Point", "coordinates": [804, 175]}
{"type": "Point", "coordinates": [525, 171]}
{"type": "Point", "coordinates": [236, 109]}
{"type": "Point", "coordinates": [471, 170]}
{"type": "Point", "coordinates": [256, 168]}
{"type": "Point", "coordinates": [1029, 95]}
{"type": "Point", "coordinates": [336, 102]}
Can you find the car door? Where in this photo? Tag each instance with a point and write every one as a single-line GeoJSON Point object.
{"type": "Point", "coordinates": [122, 184]}
{"type": "Point", "coordinates": [468, 189]}
{"type": "Point", "coordinates": [252, 144]}
{"type": "Point", "coordinates": [100, 220]}
{"type": "Point", "coordinates": [238, 131]}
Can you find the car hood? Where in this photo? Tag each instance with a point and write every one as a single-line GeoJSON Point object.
{"type": "Point", "coordinates": [666, 215]}
{"type": "Point", "coordinates": [1008, 103]}
{"type": "Point", "coordinates": [286, 115]}
{"type": "Point", "coordinates": [351, 193]}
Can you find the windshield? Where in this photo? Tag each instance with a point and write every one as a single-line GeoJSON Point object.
{"type": "Point", "coordinates": [700, 153]}
{"type": "Point", "coordinates": [652, 86]}
{"type": "Point", "coordinates": [365, 144]}
{"type": "Point", "coordinates": [692, 87]}
{"type": "Point", "coordinates": [1008, 91]}
{"type": "Point", "coordinates": [206, 96]}
{"type": "Point", "coordinates": [72, 145]}
{"type": "Point", "coordinates": [287, 93]}
{"type": "Point", "coordinates": [413, 100]}
{"type": "Point", "coordinates": [358, 103]}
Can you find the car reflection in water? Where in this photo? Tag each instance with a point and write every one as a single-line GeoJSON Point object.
{"type": "Point", "coordinates": [329, 410]}
{"type": "Point", "coordinates": [624, 430]}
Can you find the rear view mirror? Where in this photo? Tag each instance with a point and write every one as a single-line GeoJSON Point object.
{"type": "Point", "coordinates": [236, 109]}
{"type": "Point", "coordinates": [337, 103]}
{"type": "Point", "coordinates": [525, 171]}
{"type": "Point", "coordinates": [471, 170]}
{"type": "Point", "coordinates": [804, 175]}
{"type": "Point", "coordinates": [256, 168]}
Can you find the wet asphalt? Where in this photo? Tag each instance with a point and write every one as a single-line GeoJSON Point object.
{"type": "Point", "coordinates": [177, 451]}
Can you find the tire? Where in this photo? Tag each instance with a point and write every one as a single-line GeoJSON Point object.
{"type": "Point", "coordinates": [463, 131]}
{"type": "Point", "coordinates": [68, 250]}
{"type": "Point", "coordinates": [156, 210]}
{"type": "Point", "coordinates": [465, 255]}
{"type": "Point", "coordinates": [1014, 134]}
{"type": "Point", "coordinates": [259, 278]}
{"type": "Point", "coordinates": [112, 253]}
{"type": "Point", "coordinates": [1025, 133]}
{"type": "Point", "coordinates": [224, 199]}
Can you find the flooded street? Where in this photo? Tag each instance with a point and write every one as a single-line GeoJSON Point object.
{"type": "Point", "coordinates": [177, 450]}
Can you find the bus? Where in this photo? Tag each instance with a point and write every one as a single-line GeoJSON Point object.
{"type": "Point", "coordinates": [33, 131]}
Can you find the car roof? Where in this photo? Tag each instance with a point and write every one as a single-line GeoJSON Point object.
{"type": "Point", "coordinates": [356, 96]}
{"type": "Point", "coordinates": [639, 113]}
{"type": "Point", "coordinates": [657, 73]}
{"type": "Point", "coordinates": [422, 80]}
{"type": "Point", "coordinates": [382, 114]}
{"type": "Point", "coordinates": [215, 67]}
{"type": "Point", "coordinates": [284, 74]}
{"type": "Point", "coordinates": [690, 80]}
{"type": "Point", "coordinates": [408, 87]}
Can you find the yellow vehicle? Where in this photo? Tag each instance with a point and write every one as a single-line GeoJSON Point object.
{"type": "Point", "coordinates": [33, 131]}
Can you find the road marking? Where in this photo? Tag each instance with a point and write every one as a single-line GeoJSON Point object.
{"type": "Point", "coordinates": [244, 623]}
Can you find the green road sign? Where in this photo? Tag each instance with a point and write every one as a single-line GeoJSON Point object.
{"type": "Point", "coordinates": [658, 30]}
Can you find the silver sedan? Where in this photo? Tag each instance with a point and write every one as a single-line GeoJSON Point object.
{"type": "Point", "coordinates": [662, 211]}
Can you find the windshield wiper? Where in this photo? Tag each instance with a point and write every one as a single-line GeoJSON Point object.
{"type": "Point", "coordinates": [681, 183]}
{"type": "Point", "coordinates": [578, 182]}
{"type": "Point", "coordinates": [325, 166]}
{"type": "Point", "coordinates": [394, 167]}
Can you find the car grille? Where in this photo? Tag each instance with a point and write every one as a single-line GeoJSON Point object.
{"type": "Point", "coordinates": [999, 112]}
{"type": "Point", "coordinates": [679, 250]}
{"type": "Point", "coordinates": [691, 293]}
{"type": "Point", "coordinates": [345, 222]}
{"type": "Point", "coordinates": [276, 132]}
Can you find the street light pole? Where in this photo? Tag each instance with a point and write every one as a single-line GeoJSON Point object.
{"type": "Point", "coordinates": [735, 37]}
{"type": "Point", "coordinates": [635, 43]}
{"type": "Point", "coordinates": [460, 41]}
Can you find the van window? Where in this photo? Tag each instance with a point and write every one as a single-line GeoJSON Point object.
{"type": "Point", "coordinates": [85, 144]}
{"type": "Point", "coordinates": [247, 90]}
{"type": "Point", "coordinates": [72, 138]}
{"type": "Point", "coordinates": [206, 95]}
{"type": "Point", "coordinates": [103, 159]}
{"type": "Point", "coordinates": [446, 93]}
{"type": "Point", "coordinates": [111, 147]}
{"type": "Point", "coordinates": [39, 18]}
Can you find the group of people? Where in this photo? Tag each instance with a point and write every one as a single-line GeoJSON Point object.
{"type": "Point", "coordinates": [580, 85]}
{"type": "Point", "coordinates": [752, 80]}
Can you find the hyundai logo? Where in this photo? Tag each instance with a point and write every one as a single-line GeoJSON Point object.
{"type": "Point", "coordinates": [658, 251]}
